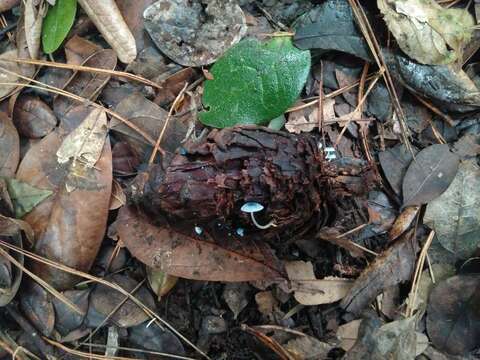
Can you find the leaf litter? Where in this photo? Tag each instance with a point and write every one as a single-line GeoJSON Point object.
{"type": "Point", "coordinates": [298, 228]}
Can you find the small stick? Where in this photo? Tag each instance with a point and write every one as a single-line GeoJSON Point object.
{"type": "Point", "coordinates": [167, 120]}
{"type": "Point", "coordinates": [435, 110]}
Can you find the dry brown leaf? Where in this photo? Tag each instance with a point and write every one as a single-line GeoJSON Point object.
{"type": "Point", "coordinates": [403, 222]}
{"type": "Point", "coordinates": [225, 259]}
{"type": "Point", "coordinates": [85, 143]}
{"type": "Point", "coordinates": [78, 49]}
{"type": "Point", "coordinates": [393, 266]}
{"type": "Point", "coordinates": [86, 84]}
{"type": "Point", "coordinates": [305, 120]}
{"type": "Point", "coordinates": [109, 21]}
{"type": "Point", "coordinates": [309, 290]}
{"type": "Point", "coordinates": [34, 12]}
{"type": "Point", "coordinates": [69, 226]}
{"type": "Point", "coordinates": [33, 118]}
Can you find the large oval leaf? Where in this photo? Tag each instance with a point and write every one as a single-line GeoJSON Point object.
{"type": "Point", "coordinates": [69, 226]}
{"type": "Point", "coordinates": [455, 215]}
{"type": "Point", "coordinates": [331, 26]}
{"type": "Point", "coordinates": [254, 83]}
{"type": "Point", "coordinates": [453, 319]}
{"type": "Point", "coordinates": [429, 174]}
{"type": "Point", "coordinates": [57, 24]}
{"type": "Point", "coordinates": [192, 258]}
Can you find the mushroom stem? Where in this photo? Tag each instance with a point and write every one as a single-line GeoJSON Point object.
{"type": "Point", "coordinates": [263, 227]}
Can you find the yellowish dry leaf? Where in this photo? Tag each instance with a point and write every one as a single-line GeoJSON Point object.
{"type": "Point", "coordinates": [85, 143]}
{"type": "Point", "coordinates": [312, 291]}
{"type": "Point", "coordinates": [305, 120]}
{"type": "Point", "coordinates": [33, 25]}
{"type": "Point", "coordinates": [109, 21]}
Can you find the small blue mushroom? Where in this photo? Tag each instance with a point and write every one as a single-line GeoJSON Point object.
{"type": "Point", "coordinates": [252, 207]}
{"type": "Point", "coordinates": [240, 231]}
{"type": "Point", "coordinates": [198, 230]}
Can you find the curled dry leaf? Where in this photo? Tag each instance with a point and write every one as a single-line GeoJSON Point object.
{"type": "Point", "coordinates": [443, 84]}
{"type": "Point", "coordinates": [311, 291]}
{"type": "Point", "coordinates": [86, 84]}
{"type": "Point", "coordinates": [22, 48]}
{"type": "Point", "coordinates": [305, 120]}
{"type": "Point", "coordinates": [426, 31]}
{"type": "Point", "coordinates": [34, 12]}
{"type": "Point", "coordinates": [67, 229]}
{"type": "Point", "coordinates": [453, 319]}
{"type": "Point", "coordinates": [160, 282]}
{"type": "Point", "coordinates": [429, 175]}
{"type": "Point", "coordinates": [109, 21]}
{"type": "Point", "coordinates": [85, 143]}
{"type": "Point", "coordinates": [195, 33]}
{"type": "Point", "coordinates": [455, 215]}
{"type": "Point", "coordinates": [9, 147]}
{"type": "Point", "coordinates": [393, 266]}
{"type": "Point", "coordinates": [193, 258]}
{"type": "Point", "coordinates": [133, 16]}
{"type": "Point", "coordinates": [403, 222]}
{"type": "Point", "coordinates": [32, 117]}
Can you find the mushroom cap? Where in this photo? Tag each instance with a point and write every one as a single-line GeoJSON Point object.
{"type": "Point", "coordinates": [251, 207]}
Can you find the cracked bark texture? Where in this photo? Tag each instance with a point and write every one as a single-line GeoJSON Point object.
{"type": "Point", "coordinates": [211, 178]}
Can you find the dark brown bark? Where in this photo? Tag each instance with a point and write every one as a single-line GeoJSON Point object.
{"type": "Point", "coordinates": [212, 178]}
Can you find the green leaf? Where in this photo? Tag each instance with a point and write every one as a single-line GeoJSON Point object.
{"type": "Point", "coordinates": [24, 196]}
{"type": "Point", "coordinates": [57, 24]}
{"type": "Point", "coordinates": [254, 83]}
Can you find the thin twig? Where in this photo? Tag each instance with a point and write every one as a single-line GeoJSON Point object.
{"type": "Point", "coordinates": [80, 99]}
{"type": "Point", "coordinates": [114, 286]}
{"type": "Point", "coordinates": [165, 125]}
{"type": "Point", "coordinates": [121, 74]}
{"type": "Point", "coordinates": [418, 275]}
{"type": "Point", "coordinates": [41, 282]}
{"type": "Point", "coordinates": [435, 110]}
{"type": "Point", "coordinates": [332, 94]}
